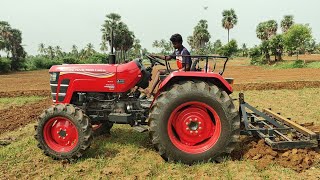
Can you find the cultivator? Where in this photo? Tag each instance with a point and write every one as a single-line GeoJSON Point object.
{"type": "Point", "coordinates": [277, 131]}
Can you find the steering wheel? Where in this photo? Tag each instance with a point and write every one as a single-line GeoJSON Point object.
{"type": "Point", "coordinates": [153, 60]}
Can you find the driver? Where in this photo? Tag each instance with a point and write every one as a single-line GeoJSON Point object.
{"type": "Point", "coordinates": [183, 62]}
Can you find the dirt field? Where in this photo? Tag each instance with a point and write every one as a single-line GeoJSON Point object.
{"type": "Point", "coordinates": [246, 78]}
{"type": "Point", "coordinates": [14, 117]}
{"type": "Point", "coordinates": [37, 82]}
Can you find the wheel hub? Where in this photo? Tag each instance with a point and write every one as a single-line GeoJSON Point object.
{"type": "Point", "coordinates": [194, 127]}
{"type": "Point", "coordinates": [62, 133]}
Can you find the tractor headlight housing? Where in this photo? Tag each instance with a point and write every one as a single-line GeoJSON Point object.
{"type": "Point", "coordinates": [54, 77]}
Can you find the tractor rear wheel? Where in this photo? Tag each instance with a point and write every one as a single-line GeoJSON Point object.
{"type": "Point", "coordinates": [64, 132]}
{"type": "Point", "coordinates": [194, 122]}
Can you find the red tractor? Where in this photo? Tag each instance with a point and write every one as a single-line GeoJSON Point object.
{"type": "Point", "coordinates": [191, 117]}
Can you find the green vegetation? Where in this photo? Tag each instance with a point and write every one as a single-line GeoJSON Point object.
{"type": "Point", "coordinates": [200, 38]}
{"type": "Point", "coordinates": [5, 65]}
{"type": "Point", "coordinates": [10, 43]}
{"type": "Point", "coordinates": [18, 101]}
{"type": "Point", "coordinates": [164, 46]}
{"type": "Point", "coordinates": [293, 64]}
{"type": "Point", "coordinates": [229, 49]}
{"type": "Point", "coordinates": [296, 37]}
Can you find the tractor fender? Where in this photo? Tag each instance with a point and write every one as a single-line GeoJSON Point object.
{"type": "Point", "coordinates": [211, 77]}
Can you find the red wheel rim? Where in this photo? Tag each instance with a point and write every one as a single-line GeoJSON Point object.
{"type": "Point", "coordinates": [60, 134]}
{"type": "Point", "coordinates": [194, 127]}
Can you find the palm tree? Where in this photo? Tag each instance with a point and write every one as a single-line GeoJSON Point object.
{"type": "Point", "coordinates": [272, 27]}
{"type": "Point", "coordinates": [229, 20]}
{"type": "Point", "coordinates": [89, 50]}
{"type": "Point", "coordinates": [50, 52]}
{"type": "Point", "coordinates": [5, 34]}
{"type": "Point", "coordinates": [103, 46]}
{"type": "Point", "coordinates": [201, 34]}
{"type": "Point", "coordinates": [58, 51]}
{"type": "Point", "coordinates": [110, 25]}
{"type": "Point", "coordinates": [155, 44]}
{"type": "Point", "coordinates": [41, 48]}
{"type": "Point", "coordinates": [74, 50]}
{"type": "Point", "coordinates": [244, 50]}
{"type": "Point", "coordinates": [5, 30]}
{"type": "Point", "coordinates": [265, 31]}
{"type": "Point", "coordinates": [10, 42]}
{"type": "Point", "coordinates": [286, 23]}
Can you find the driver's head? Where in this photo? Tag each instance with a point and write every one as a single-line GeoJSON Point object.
{"type": "Point", "coordinates": [176, 40]}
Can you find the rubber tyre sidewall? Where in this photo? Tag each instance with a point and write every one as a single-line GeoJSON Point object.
{"type": "Point", "coordinates": [61, 155]}
{"type": "Point", "coordinates": [219, 146]}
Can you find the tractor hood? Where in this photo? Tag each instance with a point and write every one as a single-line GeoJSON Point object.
{"type": "Point", "coordinates": [84, 68]}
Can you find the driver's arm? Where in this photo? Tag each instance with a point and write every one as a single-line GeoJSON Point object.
{"type": "Point", "coordinates": [163, 57]}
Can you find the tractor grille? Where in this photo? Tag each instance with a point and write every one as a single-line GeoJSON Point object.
{"type": "Point", "coordinates": [62, 91]}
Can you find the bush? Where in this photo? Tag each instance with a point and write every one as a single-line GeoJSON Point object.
{"type": "Point", "coordinates": [41, 63]}
{"type": "Point", "coordinates": [5, 65]}
{"type": "Point", "coordinates": [298, 64]}
{"type": "Point", "coordinates": [229, 49]}
{"type": "Point", "coordinates": [256, 56]}
{"type": "Point", "coordinates": [96, 59]}
{"type": "Point", "coordinates": [70, 60]}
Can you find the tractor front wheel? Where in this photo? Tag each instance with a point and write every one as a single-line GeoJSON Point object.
{"type": "Point", "coordinates": [64, 132]}
{"type": "Point", "coordinates": [194, 122]}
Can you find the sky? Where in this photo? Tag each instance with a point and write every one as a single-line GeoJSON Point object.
{"type": "Point", "coordinates": [68, 22]}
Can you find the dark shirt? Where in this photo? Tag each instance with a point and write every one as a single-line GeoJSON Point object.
{"type": "Point", "coordinates": [182, 51]}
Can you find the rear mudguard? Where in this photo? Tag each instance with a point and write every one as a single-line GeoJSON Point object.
{"type": "Point", "coordinates": [211, 77]}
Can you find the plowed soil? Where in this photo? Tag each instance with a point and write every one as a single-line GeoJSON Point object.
{"type": "Point", "coordinates": [25, 93]}
{"type": "Point", "coordinates": [296, 159]}
{"type": "Point", "coordinates": [14, 117]}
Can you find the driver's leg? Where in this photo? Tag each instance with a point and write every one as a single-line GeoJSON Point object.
{"type": "Point", "coordinates": [155, 82]}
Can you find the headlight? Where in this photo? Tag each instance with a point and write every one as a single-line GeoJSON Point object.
{"type": "Point", "coordinates": [53, 76]}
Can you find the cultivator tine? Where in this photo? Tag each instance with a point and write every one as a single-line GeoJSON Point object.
{"type": "Point", "coordinates": [277, 131]}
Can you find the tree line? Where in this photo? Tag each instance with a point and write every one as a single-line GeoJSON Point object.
{"type": "Point", "coordinates": [125, 45]}
{"type": "Point", "coordinates": [294, 39]}
{"type": "Point", "coordinates": [10, 43]}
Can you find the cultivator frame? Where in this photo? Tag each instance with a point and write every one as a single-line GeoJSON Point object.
{"type": "Point", "coordinates": [277, 131]}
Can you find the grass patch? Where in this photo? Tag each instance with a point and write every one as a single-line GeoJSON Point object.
{"type": "Point", "coordinates": [293, 64]}
{"type": "Point", "coordinates": [301, 105]}
{"type": "Point", "coordinates": [18, 101]}
{"type": "Point", "coordinates": [313, 65]}
{"type": "Point", "coordinates": [128, 154]}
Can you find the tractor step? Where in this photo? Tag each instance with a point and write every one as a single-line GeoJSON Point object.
{"type": "Point", "coordinates": [277, 131]}
{"type": "Point", "coordinates": [140, 129]}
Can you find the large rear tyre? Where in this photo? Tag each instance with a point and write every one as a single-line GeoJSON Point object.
{"type": "Point", "coordinates": [64, 132]}
{"type": "Point", "coordinates": [194, 122]}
